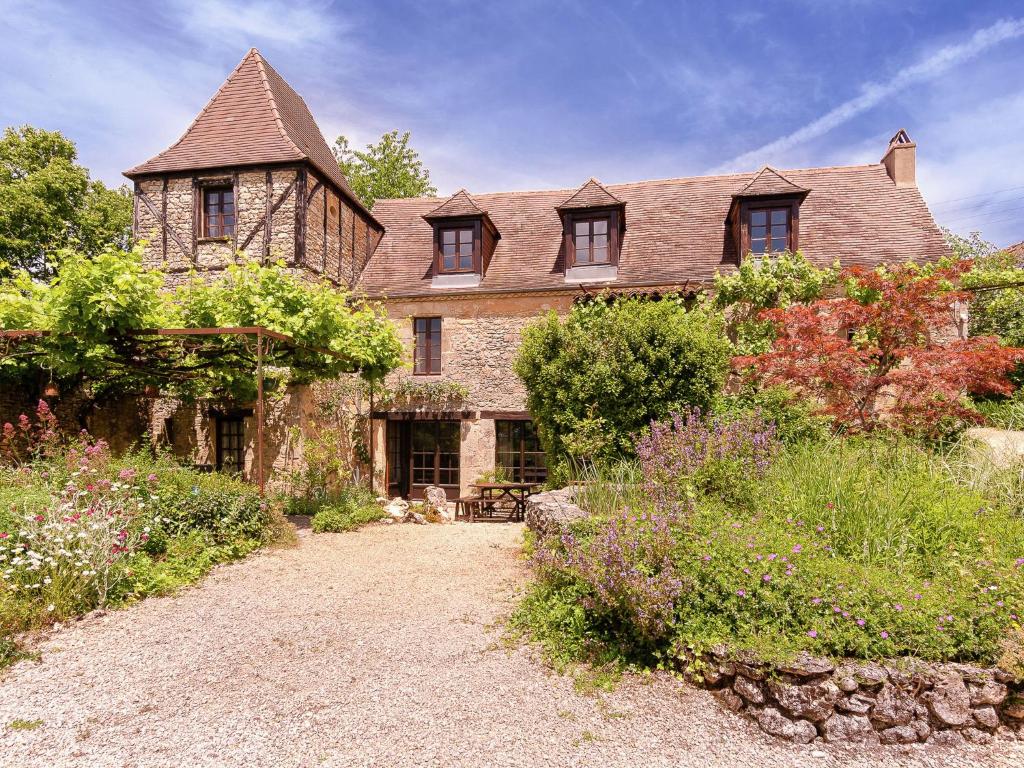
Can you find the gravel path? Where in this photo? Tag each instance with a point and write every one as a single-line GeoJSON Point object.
{"type": "Point", "coordinates": [376, 648]}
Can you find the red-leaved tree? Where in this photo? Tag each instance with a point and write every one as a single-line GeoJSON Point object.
{"type": "Point", "coordinates": [874, 356]}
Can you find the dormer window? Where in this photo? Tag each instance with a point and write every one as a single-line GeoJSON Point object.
{"type": "Point", "coordinates": [457, 248]}
{"type": "Point", "coordinates": [464, 241]}
{"type": "Point", "coordinates": [590, 241]}
{"type": "Point", "coordinates": [770, 229]}
{"type": "Point", "coordinates": [764, 217]}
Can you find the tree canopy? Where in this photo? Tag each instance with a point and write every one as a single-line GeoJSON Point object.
{"type": "Point", "coordinates": [388, 169]}
{"type": "Point", "coordinates": [48, 203]}
{"type": "Point", "coordinates": [95, 307]}
{"type": "Point", "coordinates": [600, 376]}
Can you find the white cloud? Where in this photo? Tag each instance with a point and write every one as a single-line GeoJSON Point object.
{"type": "Point", "coordinates": [874, 93]}
{"type": "Point", "coordinates": [240, 22]}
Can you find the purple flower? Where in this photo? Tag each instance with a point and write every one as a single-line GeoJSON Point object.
{"type": "Point", "coordinates": [816, 601]}
{"type": "Point", "coordinates": [860, 622]}
{"type": "Point", "coordinates": [884, 635]}
{"type": "Point", "coordinates": [746, 571]}
{"type": "Point", "coordinates": [898, 606]}
{"type": "Point", "coordinates": [812, 633]}
{"type": "Point", "coordinates": [766, 577]}
{"type": "Point", "coordinates": [821, 529]}
{"type": "Point", "coordinates": [846, 614]}
{"type": "Point", "coordinates": [797, 549]}
{"type": "Point", "coordinates": [917, 596]}
{"type": "Point", "coordinates": [772, 556]}
{"type": "Point", "coordinates": [741, 592]}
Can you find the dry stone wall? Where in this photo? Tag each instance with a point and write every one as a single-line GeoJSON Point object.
{"type": "Point", "coordinates": [896, 702]}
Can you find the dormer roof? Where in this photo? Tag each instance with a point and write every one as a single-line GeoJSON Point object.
{"type": "Point", "coordinates": [459, 205]}
{"type": "Point", "coordinates": [254, 118]}
{"type": "Point", "coordinates": [591, 195]}
{"type": "Point", "coordinates": [768, 181]}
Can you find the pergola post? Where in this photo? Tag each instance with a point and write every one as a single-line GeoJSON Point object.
{"type": "Point", "coordinates": [260, 479]}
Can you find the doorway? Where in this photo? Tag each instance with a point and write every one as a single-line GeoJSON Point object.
{"type": "Point", "coordinates": [421, 453]}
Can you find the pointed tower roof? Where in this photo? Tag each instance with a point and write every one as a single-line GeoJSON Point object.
{"type": "Point", "coordinates": [255, 117]}
{"type": "Point", "coordinates": [768, 181]}
{"type": "Point", "coordinates": [459, 204]}
{"type": "Point", "coordinates": [591, 195]}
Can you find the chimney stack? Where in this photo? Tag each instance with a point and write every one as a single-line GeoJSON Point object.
{"type": "Point", "coordinates": [900, 160]}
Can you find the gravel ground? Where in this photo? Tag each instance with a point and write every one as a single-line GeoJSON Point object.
{"type": "Point", "coordinates": [377, 648]}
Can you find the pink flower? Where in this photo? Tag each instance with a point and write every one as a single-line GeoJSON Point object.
{"type": "Point", "coordinates": [797, 549]}
{"type": "Point", "coordinates": [812, 633]}
{"type": "Point", "coordinates": [39, 518]}
{"type": "Point", "coordinates": [917, 596]}
{"type": "Point", "coordinates": [3, 535]}
{"type": "Point", "coordinates": [741, 592]}
{"type": "Point", "coordinates": [860, 622]}
{"type": "Point", "coordinates": [815, 601]}
{"type": "Point", "coordinates": [898, 606]}
{"type": "Point", "coordinates": [126, 474]}
{"type": "Point", "coordinates": [766, 577]}
{"type": "Point", "coordinates": [884, 635]}
{"type": "Point", "coordinates": [152, 478]}
{"type": "Point", "coordinates": [746, 571]}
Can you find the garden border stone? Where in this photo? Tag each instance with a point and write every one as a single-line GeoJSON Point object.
{"type": "Point", "coordinates": [900, 701]}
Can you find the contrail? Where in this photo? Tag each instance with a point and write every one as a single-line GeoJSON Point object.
{"type": "Point", "coordinates": [874, 93]}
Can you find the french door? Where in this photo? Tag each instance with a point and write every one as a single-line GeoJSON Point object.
{"type": "Point", "coordinates": [422, 453]}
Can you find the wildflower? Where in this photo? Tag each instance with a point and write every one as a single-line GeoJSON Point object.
{"type": "Point", "coordinates": [860, 622]}
{"type": "Point", "coordinates": [772, 556]}
{"type": "Point", "coordinates": [815, 601]}
{"type": "Point", "coordinates": [767, 577]}
{"type": "Point", "coordinates": [812, 633]}
{"type": "Point", "coordinates": [741, 592]}
{"type": "Point", "coordinates": [917, 596]}
{"type": "Point", "coordinates": [821, 529]}
{"type": "Point", "coordinates": [51, 607]}
{"type": "Point", "coordinates": [797, 549]}
{"type": "Point", "coordinates": [746, 571]}
{"type": "Point", "coordinates": [898, 606]}
{"type": "Point", "coordinates": [884, 635]}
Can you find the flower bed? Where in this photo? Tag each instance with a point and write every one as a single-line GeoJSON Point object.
{"type": "Point", "coordinates": [864, 549]}
{"type": "Point", "coordinates": [81, 529]}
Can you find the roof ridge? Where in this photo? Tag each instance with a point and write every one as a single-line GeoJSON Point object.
{"type": "Point", "coordinates": [261, 65]}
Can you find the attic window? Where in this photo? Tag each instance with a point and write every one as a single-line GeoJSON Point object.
{"type": "Point", "coordinates": [592, 238]}
{"type": "Point", "coordinates": [769, 230]}
{"type": "Point", "coordinates": [218, 212]}
{"type": "Point", "coordinates": [457, 247]}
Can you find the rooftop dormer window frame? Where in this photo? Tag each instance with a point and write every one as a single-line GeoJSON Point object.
{"type": "Point", "coordinates": [570, 218]}
{"type": "Point", "coordinates": [441, 226]}
{"type": "Point", "coordinates": [769, 205]}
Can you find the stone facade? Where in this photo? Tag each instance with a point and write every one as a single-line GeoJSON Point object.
{"type": "Point", "coordinates": [324, 236]}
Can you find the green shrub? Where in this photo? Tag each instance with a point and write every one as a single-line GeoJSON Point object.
{"type": "Point", "coordinates": [600, 376]}
{"type": "Point", "coordinates": [866, 548]}
{"type": "Point", "coordinates": [348, 509]}
{"type": "Point", "coordinates": [796, 420]}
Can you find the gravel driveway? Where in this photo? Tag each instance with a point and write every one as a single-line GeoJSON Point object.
{"type": "Point", "coordinates": [374, 648]}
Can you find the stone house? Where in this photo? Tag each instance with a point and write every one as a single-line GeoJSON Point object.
{"type": "Point", "coordinates": [462, 275]}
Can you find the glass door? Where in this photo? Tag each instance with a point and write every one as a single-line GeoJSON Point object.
{"type": "Point", "coordinates": [435, 456]}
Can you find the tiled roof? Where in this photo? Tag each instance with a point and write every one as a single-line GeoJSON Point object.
{"type": "Point", "coordinates": [590, 195]}
{"type": "Point", "coordinates": [676, 231]}
{"type": "Point", "coordinates": [459, 204]}
{"type": "Point", "coordinates": [255, 117]}
{"type": "Point", "coordinates": [1017, 251]}
{"type": "Point", "coordinates": [768, 181]}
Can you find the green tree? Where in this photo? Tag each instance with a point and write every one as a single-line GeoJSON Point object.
{"type": "Point", "coordinates": [600, 376]}
{"type": "Point", "coordinates": [48, 202]}
{"type": "Point", "coordinates": [388, 169]}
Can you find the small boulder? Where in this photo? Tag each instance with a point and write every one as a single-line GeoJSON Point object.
{"type": "Point", "coordinates": [856, 704]}
{"type": "Point", "coordinates": [812, 701]}
{"type": "Point", "coordinates": [772, 721]}
{"type": "Point", "coordinates": [729, 699]}
{"type": "Point", "coordinates": [922, 728]}
{"type": "Point", "coordinates": [1014, 707]}
{"type": "Point", "coordinates": [893, 707]}
{"type": "Point", "coordinates": [805, 665]}
{"type": "Point", "coordinates": [976, 735]}
{"type": "Point", "coordinates": [853, 729]}
{"type": "Point", "coordinates": [900, 734]}
{"type": "Point", "coordinates": [949, 701]}
{"type": "Point", "coordinates": [867, 674]}
{"type": "Point", "coordinates": [946, 738]}
{"type": "Point", "coordinates": [435, 503]}
{"type": "Point", "coordinates": [991, 692]}
{"type": "Point", "coordinates": [847, 684]}
{"type": "Point", "coordinates": [397, 508]}
{"type": "Point", "coordinates": [986, 716]}
{"type": "Point", "coordinates": [751, 690]}
{"type": "Point", "coordinates": [551, 512]}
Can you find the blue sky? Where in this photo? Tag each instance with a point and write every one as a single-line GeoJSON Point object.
{"type": "Point", "coordinates": [528, 95]}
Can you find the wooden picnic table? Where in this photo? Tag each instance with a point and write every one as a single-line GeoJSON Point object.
{"type": "Point", "coordinates": [493, 493]}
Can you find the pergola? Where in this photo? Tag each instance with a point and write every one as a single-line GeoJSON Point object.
{"type": "Point", "coordinates": [149, 349]}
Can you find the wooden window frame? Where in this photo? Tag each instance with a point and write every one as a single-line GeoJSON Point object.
{"type": "Point", "coordinates": [457, 224]}
{"type": "Point", "coordinates": [216, 187]}
{"type": "Point", "coordinates": [220, 421]}
{"type": "Point", "coordinates": [518, 450]}
{"type": "Point", "coordinates": [791, 204]}
{"type": "Point", "coordinates": [428, 350]}
{"type": "Point", "coordinates": [569, 221]}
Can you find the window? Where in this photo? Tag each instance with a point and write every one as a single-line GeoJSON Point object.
{"type": "Point", "coordinates": [590, 238]}
{"type": "Point", "coordinates": [518, 450]}
{"type": "Point", "coordinates": [457, 249]}
{"type": "Point", "coordinates": [230, 443]}
{"type": "Point", "coordinates": [219, 212]}
{"type": "Point", "coordinates": [427, 350]}
{"type": "Point", "coordinates": [435, 453]}
{"type": "Point", "coordinates": [769, 230]}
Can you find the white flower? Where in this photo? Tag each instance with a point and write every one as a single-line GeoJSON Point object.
{"type": "Point", "coordinates": [51, 607]}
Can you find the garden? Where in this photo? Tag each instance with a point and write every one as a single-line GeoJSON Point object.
{"type": "Point", "coordinates": [83, 527]}
{"type": "Point", "coordinates": [808, 491]}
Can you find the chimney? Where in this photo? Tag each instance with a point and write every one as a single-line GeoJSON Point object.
{"type": "Point", "coordinates": [900, 160]}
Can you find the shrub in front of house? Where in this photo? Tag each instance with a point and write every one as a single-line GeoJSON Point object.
{"type": "Point", "coordinates": [346, 509]}
{"type": "Point", "coordinates": [863, 548]}
{"type": "Point", "coordinates": [600, 376]}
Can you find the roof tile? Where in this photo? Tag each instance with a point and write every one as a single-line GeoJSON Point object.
{"type": "Point", "coordinates": [590, 195]}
